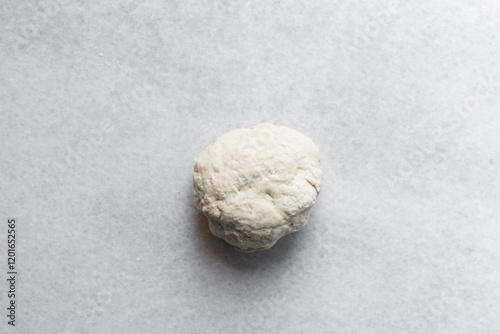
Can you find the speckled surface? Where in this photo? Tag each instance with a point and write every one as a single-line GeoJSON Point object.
{"type": "Point", "coordinates": [104, 106]}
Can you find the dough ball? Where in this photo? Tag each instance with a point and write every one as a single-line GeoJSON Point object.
{"type": "Point", "coordinates": [257, 185]}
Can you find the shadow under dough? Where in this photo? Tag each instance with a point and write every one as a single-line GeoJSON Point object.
{"type": "Point", "coordinates": [220, 252]}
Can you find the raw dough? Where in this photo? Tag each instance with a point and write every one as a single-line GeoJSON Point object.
{"type": "Point", "coordinates": [257, 185]}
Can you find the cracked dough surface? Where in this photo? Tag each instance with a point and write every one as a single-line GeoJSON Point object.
{"type": "Point", "coordinates": [257, 185]}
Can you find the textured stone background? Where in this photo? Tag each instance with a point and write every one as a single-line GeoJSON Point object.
{"type": "Point", "coordinates": [105, 104]}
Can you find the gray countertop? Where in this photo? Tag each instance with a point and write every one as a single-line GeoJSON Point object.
{"type": "Point", "coordinates": [104, 107]}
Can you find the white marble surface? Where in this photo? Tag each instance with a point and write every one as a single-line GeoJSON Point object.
{"type": "Point", "coordinates": [105, 105]}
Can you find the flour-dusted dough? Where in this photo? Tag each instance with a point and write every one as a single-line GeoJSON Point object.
{"type": "Point", "coordinates": [257, 185]}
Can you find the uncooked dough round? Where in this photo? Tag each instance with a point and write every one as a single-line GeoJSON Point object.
{"type": "Point", "coordinates": [257, 185]}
